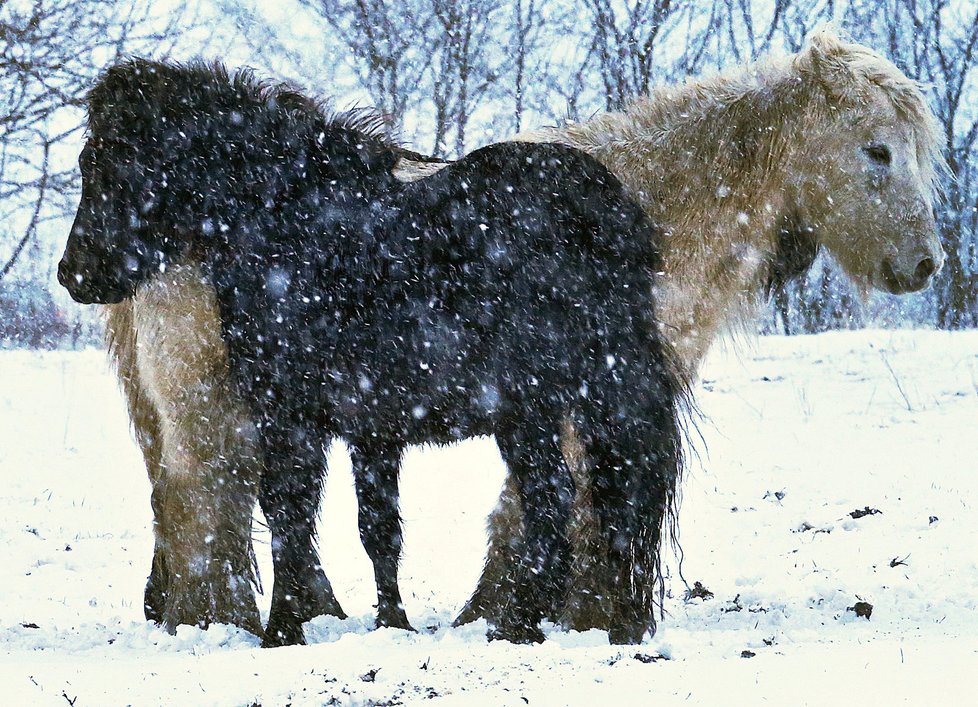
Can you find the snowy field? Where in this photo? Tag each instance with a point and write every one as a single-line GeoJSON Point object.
{"type": "Point", "coordinates": [798, 434]}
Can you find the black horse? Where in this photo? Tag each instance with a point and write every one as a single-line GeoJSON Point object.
{"type": "Point", "coordinates": [500, 296]}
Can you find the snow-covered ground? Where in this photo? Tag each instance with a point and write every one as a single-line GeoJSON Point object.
{"type": "Point", "coordinates": [798, 433]}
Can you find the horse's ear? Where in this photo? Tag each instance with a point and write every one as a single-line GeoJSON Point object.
{"type": "Point", "coordinates": [823, 58]}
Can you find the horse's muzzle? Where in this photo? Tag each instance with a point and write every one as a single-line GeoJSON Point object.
{"type": "Point", "coordinates": [84, 290]}
{"type": "Point", "coordinates": [919, 278]}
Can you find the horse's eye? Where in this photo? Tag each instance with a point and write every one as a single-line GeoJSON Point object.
{"type": "Point", "coordinates": [878, 153]}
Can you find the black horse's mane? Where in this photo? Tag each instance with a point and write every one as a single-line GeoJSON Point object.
{"type": "Point", "coordinates": [229, 143]}
{"type": "Point", "coordinates": [138, 88]}
{"type": "Point", "coordinates": [796, 251]}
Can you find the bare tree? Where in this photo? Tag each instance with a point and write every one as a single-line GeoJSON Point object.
{"type": "Point", "coordinates": [936, 42]}
{"type": "Point", "coordinates": [625, 37]}
{"type": "Point", "coordinates": [466, 70]}
{"type": "Point", "coordinates": [526, 27]}
{"type": "Point", "coordinates": [390, 43]}
{"type": "Point", "coordinates": [50, 50]}
{"type": "Point", "coordinates": [948, 60]}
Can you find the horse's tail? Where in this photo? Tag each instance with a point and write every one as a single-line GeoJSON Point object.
{"type": "Point", "coordinates": [631, 417]}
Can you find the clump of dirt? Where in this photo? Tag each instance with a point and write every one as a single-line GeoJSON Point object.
{"type": "Point", "coordinates": [862, 609]}
{"type": "Point", "coordinates": [698, 591]}
{"type": "Point", "coordinates": [646, 658]}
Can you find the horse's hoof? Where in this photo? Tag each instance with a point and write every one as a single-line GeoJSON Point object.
{"type": "Point", "coordinates": [213, 599]}
{"type": "Point", "coordinates": [516, 634]}
{"type": "Point", "coordinates": [153, 612]}
{"type": "Point", "coordinates": [472, 611]}
{"type": "Point", "coordinates": [466, 617]}
{"type": "Point", "coordinates": [278, 634]}
{"type": "Point", "coordinates": [331, 608]}
{"type": "Point", "coordinates": [154, 600]}
{"type": "Point", "coordinates": [314, 597]}
{"type": "Point", "coordinates": [628, 635]}
{"type": "Point", "coordinates": [393, 617]}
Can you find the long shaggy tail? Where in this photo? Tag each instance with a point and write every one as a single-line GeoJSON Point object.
{"type": "Point", "coordinates": [633, 420]}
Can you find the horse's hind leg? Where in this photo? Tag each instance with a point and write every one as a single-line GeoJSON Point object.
{"type": "Point", "coordinates": [505, 528]}
{"type": "Point", "coordinates": [375, 469]}
{"type": "Point", "coordinates": [633, 445]}
{"type": "Point", "coordinates": [530, 448]}
{"type": "Point", "coordinates": [495, 586]}
{"type": "Point", "coordinates": [291, 491]}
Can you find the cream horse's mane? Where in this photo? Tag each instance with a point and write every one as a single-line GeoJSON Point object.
{"type": "Point", "coordinates": [846, 71]}
{"type": "Point", "coordinates": [706, 158]}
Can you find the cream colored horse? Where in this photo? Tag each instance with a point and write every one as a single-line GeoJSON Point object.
{"type": "Point", "coordinates": [749, 172]}
{"type": "Point", "coordinates": [834, 146]}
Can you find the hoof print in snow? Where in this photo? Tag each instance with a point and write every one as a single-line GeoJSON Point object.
{"type": "Point", "coordinates": [698, 592]}
{"type": "Point", "coordinates": [862, 609]}
{"type": "Point", "coordinates": [734, 606]}
{"type": "Point", "coordinates": [370, 675]}
{"type": "Point", "coordinates": [747, 654]}
{"type": "Point", "coordinates": [805, 526]}
{"type": "Point", "coordinates": [867, 511]}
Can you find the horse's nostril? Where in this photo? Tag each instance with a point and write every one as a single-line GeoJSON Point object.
{"type": "Point", "coordinates": [925, 268]}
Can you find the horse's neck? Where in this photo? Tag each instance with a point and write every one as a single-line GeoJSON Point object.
{"type": "Point", "coordinates": [711, 172]}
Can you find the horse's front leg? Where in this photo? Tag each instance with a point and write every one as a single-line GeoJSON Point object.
{"type": "Point", "coordinates": [375, 468]}
{"type": "Point", "coordinates": [530, 448]}
{"type": "Point", "coordinates": [290, 494]}
{"type": "Point", "coordinates": [197, 440]}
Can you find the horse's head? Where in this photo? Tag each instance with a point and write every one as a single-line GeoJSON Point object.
{"type": "Point", "coordinates": [115, 242]}
{"type": "Point", "coordinates": [872, 166]}
{"type": "Point", "coordinates": [126, 228]}
{"type": "Point", "coordinates": [186, 156]}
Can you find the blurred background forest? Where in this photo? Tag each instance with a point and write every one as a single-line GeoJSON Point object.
{"type": "Point", "coordinates": [453, 75]}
